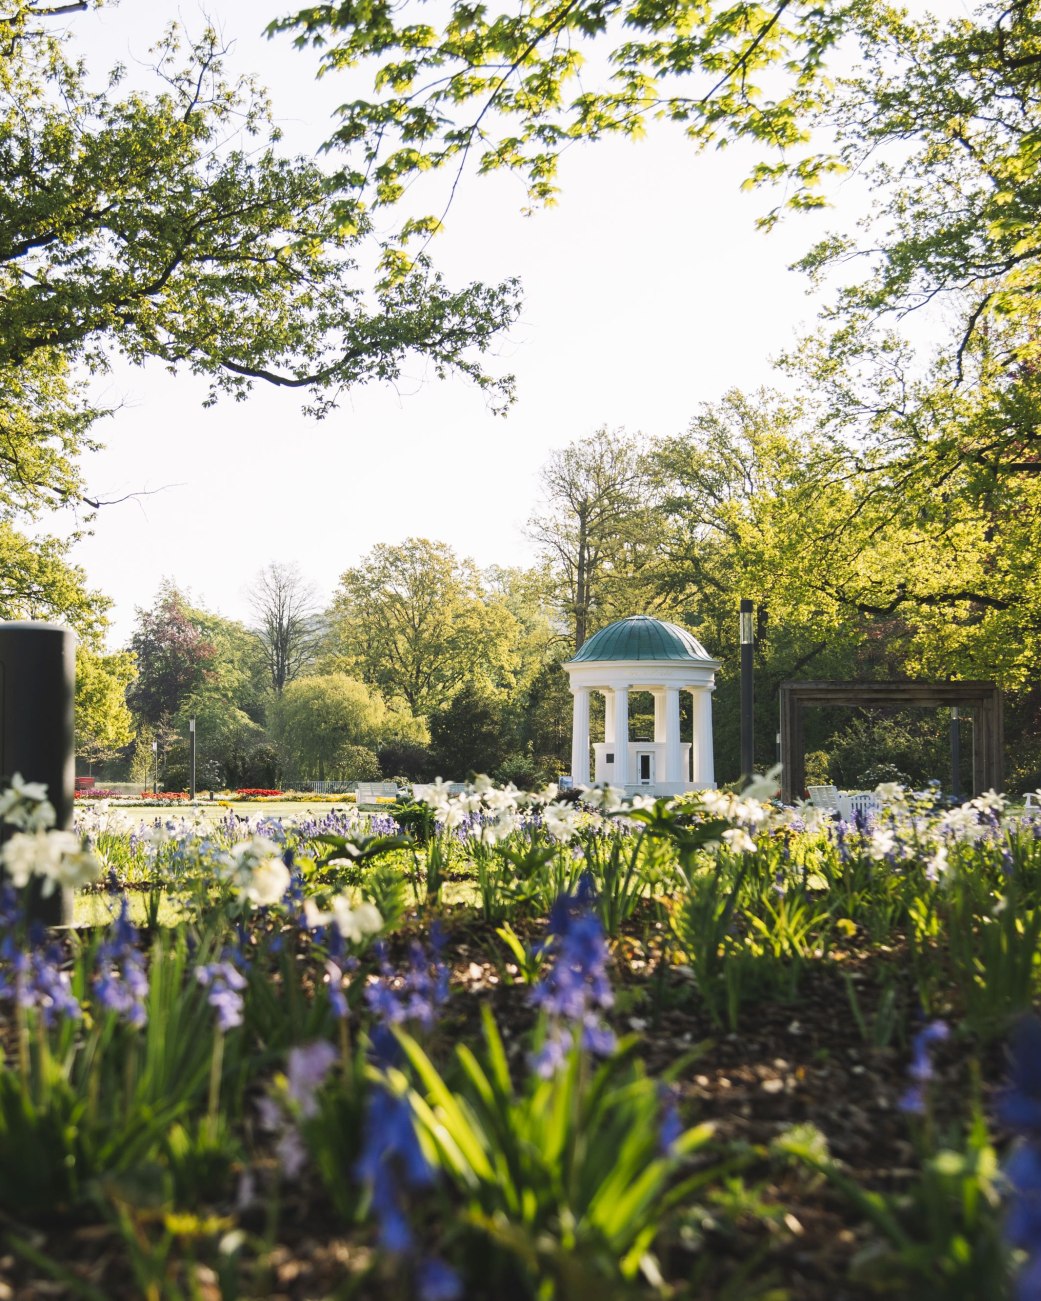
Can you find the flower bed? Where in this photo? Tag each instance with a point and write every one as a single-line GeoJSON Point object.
{"type": "Point", "coordinates": [532, 1048]}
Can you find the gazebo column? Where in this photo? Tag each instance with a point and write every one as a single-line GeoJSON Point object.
{"type": "Point", "coordinates": [580, 737]}
{"type": "Point", "coordinates": [704, 774]}
{"type": "Point", "coordinates": [671, 735]}
{"type": "Point", "coordinates": [621, 736]}
{"type": "Point", "coordinates": [609, 715]}
{"type": "Point", "coordinates": [660, 720]}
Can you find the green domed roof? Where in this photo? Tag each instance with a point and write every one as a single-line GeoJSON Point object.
{"type": "Point", "coordinates": [641, 638]}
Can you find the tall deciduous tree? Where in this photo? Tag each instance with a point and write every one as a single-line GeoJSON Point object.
{"type": "Point", "coordinates": [103, 721]}
{"type": "Point", "coordinates": [416, 622]}
{"type": "Point", "coordinates": [164, 223]}
{"type": "Point", "coordinates": [285, 610]}
{"type": "Point", "coordinates": [173, 656]}
{"type": "Point", "coordinates": [329, 725]}
{"type": "Point", "coordinates": [593, 529]}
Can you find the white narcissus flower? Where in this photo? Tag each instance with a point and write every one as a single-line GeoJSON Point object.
{"type": "Point", "coordinates": [718, 804]}
{"type": "Point", "coordinates": [883, 842]}
{"type": "Point", "coordinates": [267, 884]}
{"type": "Point", "coordinates": [504, 825]}
{"type": "Point", "coordinates": [811, 817]}
{"type": "Point", "coordinates": [561, 820]}
{"type": "Point", "coordinates": [502, 800]}
{"type": "Point", "coordinates": [35, 792]}
{"type": "Point", "coordinates": [355, 923]}
{"type": "Point", "coordinates": [737, 839]}
{"type": "Point", "coordinates": [76, 870]}
{"type": "Point", "coordinates": [937, 865]}
{"type": "Point", "coordinates": [258, 847]}
{"type": "Point", "coordinates": [763, 786]}
{"type": "Point", "coordinates": [56, 856]}
{"type": "Point", "coordinates": [749, 811]}
{"type": "Point", "coordinates": [890, 792]}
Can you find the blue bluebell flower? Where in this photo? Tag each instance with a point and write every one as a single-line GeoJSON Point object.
{"type": "Point", "coordinates": [576, 989]}
{"type": "Point", "coordinates": [391, 1162]}
{"type": "Point", "coordinates": [437, 1281]}
{"type": "Point", "coordinates": [225, 984]}
{"type": "Point", "coordinates": [1018, 1105]}
{"type": "Point", "coordinates": [921, 1070]}
{"type": "Point", "coordinates": [120, 981]}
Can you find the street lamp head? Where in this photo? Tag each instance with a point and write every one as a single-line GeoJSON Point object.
{"type": "Point", "coordinates": [745, 622]}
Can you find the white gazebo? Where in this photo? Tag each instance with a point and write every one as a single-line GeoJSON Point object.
{"type": "Point", "coordinates": [643, 654]}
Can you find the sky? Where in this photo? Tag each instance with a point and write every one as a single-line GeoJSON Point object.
{"type": "Point", "coordinates": [648, 291]}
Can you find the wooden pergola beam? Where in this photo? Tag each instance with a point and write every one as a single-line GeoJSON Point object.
{"type": "Point", "coordinates": [983, 698]}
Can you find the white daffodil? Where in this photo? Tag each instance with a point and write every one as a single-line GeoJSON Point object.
{"type": "Point", "coordinates": [267, 883]}
{"type": "Point", "coordinates": [750, 812]}
{"type": "Point", "coordinates": [717, 804]}
{"type": "Point", "coordinates": [737, 839]}
{"type": "Point", "coordinates": [561, 820]}
{"type": "Point", "coordinates": [763, 786]}
{"type": "Point", "coordinates": [57, 857]}
{"type": "Point", "coordinates": [502, 800]}
{"type": "Point", "coordinates": [890, 792]}
{"type": "Point", "coordinates": [961, 823]}
{"type": "Point", "coordinates": [937, 865]}
{"type": "Point", "coordinates": [882, 843]}
{"type": "Point", "coordinates": [494, 832]}
{"type": "Point", "coordinates": [257, 848]}
{"type": "Point", "coordinates": [437, 794]}
{"type": "Point", "coordinates": [75, 870]}
{"type": "Point", "coordinates": [356, 923]}
{"type": "Point", "coordinates": [989, 802]}
{"type": "Point", "coordinates": [811, 817]}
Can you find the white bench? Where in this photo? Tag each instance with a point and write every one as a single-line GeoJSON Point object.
{"type": "Point", "coordinates": [1032, 804]}
{"type": "Point", "coordinates": [377, 792]}
{"type": "Point", "coordinates": [845, 803]}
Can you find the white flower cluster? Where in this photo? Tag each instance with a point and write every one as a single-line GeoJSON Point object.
{"type": "Point", "coordinates": [749, 812]}
{"type": "Point", "coordinates": [58, 858]}
{"type": "Point", "coordinates": [259, 872]}
{"type": "Point", "coordinates": [355, 922]}
{"type": "Point", "coordinates": [498, 808]}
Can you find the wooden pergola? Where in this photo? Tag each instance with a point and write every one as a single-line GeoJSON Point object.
{"type": "Point", "coordinates": [982, 698]}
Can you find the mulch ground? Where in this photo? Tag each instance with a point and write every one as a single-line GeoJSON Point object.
{"type": "Point", "coordinates": [773, 1231]}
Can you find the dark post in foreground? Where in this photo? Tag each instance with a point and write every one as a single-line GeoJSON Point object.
{"type": "Point", "coordinates": [747, 689]}
{"type": "Point", "coordinates": [37, 690]}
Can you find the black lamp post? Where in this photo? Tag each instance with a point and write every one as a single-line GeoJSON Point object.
{"type": "Point", "coordinates": [747, 697]}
